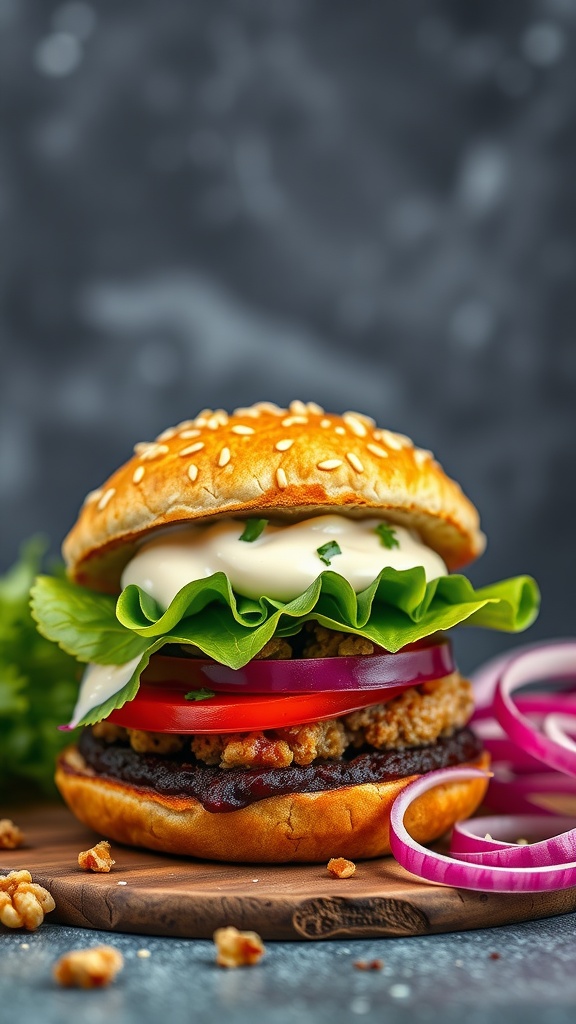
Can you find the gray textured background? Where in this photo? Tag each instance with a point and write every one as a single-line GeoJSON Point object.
{"type": "Point", "coordinates": [366, 204]}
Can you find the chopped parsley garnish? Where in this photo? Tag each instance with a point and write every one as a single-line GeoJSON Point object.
{"type": "Point", "coordinates": [387, 535]}
{"type": "Point", "coordinates": [328, 551]}
{"type": "Point", "coordinates": [253, 528]}
{"type": "Point", "coordinates": [199, 694]}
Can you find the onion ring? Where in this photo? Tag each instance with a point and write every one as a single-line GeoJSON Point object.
{"type": "Point", "coordinates": [534, 761]}
{"type": "Point", "coordinates": [447, 870]}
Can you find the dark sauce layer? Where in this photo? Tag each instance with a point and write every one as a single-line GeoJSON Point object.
{"type": "Point", "coordinates": [219, 789]}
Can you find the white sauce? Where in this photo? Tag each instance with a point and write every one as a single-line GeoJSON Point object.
{"type": "Point", "coordinates": [100, 682]}
{"type": "Point", "coordinates": [281, 563]}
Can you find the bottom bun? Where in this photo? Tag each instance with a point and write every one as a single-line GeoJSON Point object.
{"type": "Point", "coordinates": [349, 822]}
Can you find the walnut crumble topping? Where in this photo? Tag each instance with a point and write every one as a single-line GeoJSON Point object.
{"type": "Point", "coordinates": [419, 716]}
{"type": "Point", "coordinates": [97, 859]}
{"type": "Point", "coordinates": [237, 949]}
{"type": "Point", "coordinates": [339, 867]}
{"type": "Point", "coordinates": [11, 836]}
{"type": "Point", "coordinates": [22, 902]}
{"type": "Point", "coordinates": [88, 968]}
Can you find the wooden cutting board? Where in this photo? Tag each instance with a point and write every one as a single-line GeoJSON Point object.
{"type": "Point", "coordinates": [165, 895]}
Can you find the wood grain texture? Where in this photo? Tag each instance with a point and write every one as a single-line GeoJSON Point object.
{"type": "Point", "coordinates": [166, 895]}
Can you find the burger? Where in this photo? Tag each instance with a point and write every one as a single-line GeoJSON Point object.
{"type": "Point", "coordinates": [262, 601]}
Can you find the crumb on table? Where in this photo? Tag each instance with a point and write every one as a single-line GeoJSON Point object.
{"type": "Point", "coordinates": [23, 904]}
{"type": "Point", "coordinates": [339, 867]}
{"type": "Point", "coordinates": [368, 965]}
{"type": "Point", "coordinates": [237, 949]}
{"type": "Point", "coordinates": [11, 836]}
{"type": "Point", "coordinates": [88, 968]}
{"type": "Point", "coordinates": [97, 858]}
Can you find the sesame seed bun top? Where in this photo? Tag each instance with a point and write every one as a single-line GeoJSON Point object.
{"type": "Point", "coordinates": [284, 463]}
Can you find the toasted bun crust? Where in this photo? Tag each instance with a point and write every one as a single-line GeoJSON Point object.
{"type": "Point", "coordinates": [350, 822]}
{"type": "Point", "coordinates": [286, 463]}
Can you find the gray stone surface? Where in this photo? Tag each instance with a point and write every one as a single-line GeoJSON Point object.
{"type": "Point", "coordinates": [443, 978]}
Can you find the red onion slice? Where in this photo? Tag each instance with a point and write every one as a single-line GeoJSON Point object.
{"type": "Point", "coordinates": [557, 661]}
{"type": "Point", "coordinates": [557, 725]}
{"type": "Point", "coordinates": [473, 841]}
{"type": "Point", "coordinates": [411, 666]}
{"type": "Point", "coordinates": [445, 870]}
{"type": "Point", "coordinates": [545, 793]}
{"type": "Point", "coordinates": [485, 678]}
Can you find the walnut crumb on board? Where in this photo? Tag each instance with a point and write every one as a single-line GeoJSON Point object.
{"type": "Point", "coordinates": [22, 902]}
{"type": "Point", "coordinates": [339, 867]}
{"type": "Point", "coordinates": [97, 858]}
{"type": "Point", "coordinates": [237, 949]}
{"type": "Point", "coordinates": [88, 968]}
{"type": "Point", "coordinates": [10, 835]}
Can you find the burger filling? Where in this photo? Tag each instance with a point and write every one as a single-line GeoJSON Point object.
{"type": "Point", "coordinates": [417, 731]}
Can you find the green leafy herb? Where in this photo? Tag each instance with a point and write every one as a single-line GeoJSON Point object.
{"type": "Point", "coordinates": [38, 684]}
{"type": "Point", "coordinates": [202, 694]}
{"type": "Point", "coordinates": [328, 551]}
{"type": "Point", "coordinates": [252, 529]}
{"type": "Point", "coordinates": [387, 535]}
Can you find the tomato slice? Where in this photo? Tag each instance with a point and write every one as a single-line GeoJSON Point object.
{"type": "Point", "coordinates": [165, 709]}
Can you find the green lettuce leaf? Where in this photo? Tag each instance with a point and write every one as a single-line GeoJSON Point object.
{"type": "Point", "coordinates": [82, 622]}
{"type": "Point", "coordinates": [398, 608]}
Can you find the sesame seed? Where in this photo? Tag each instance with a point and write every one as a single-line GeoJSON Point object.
{"type": "Point", "coordinates": [197, 447]}
{"type": "Point", "coordinates": [298, 408]}
{"type": "Point", "coordinates": [330, 464]}
{"type": "Point", "coordinates": [315, 408]}
{"type": "Point", "coordinates": [167, 434]}
{"type": "Point", "coordinates": [24, 945]}
{"type": "Point", "coordinates": [366, 420]}
{"type": "Point", "coordinates": [121, 883]}
{"type": "Point", "coordinates": [93, 496]}
{"type": "Point", "coordinates": [138, 474]}
{"type": "Point", "coordinates": [356, 426]}
{"type": "Point", "coordinates": [283, 446]}
{"type": "Point", "coordinates": [422, 455]}
{"type": "Point", "coordinates": [192, 471]}
{"type": "Point", "coordinates": [213, 422]}
{"type": "Point", "coordinates": [143, 954]}
{"type": "Point", "coordinates": [244, 411]}
{"type": "Point", "coordinates": [290, 420]}
{"type": "Point", "coordinates": [222, 416]}
{"type": "Point", "coordinates": [200, 421]}
{"type": "Point", "coordinates": [377, 450]}
{"type": "Point", "coordinates": [185, 434]}
{"type": "Point", "coordinates": [281, 478]}
{"type": "Point", "coordinates": [407, 441]}
{"type": "Point", "coordinates": [224, 457]}
{"type": "Point", "coordinates": [151, 451]}
{"type": "Point", "coordinates": [395, 441]}
{"type": "Point", "coordinates": [241, 429]}
{"type": "Point", "coordinates": [106, 498]}
{"type": "Point", "coordinates": [184, 424]}
{"type": "Point", "coordinates": [270, 407]}
{"type": "Point", "coordinates": [355, 462]}
{"type": "Point", "coordinates": [324, 423]}
{"type": "Point", "coordinates": [340, 430]}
